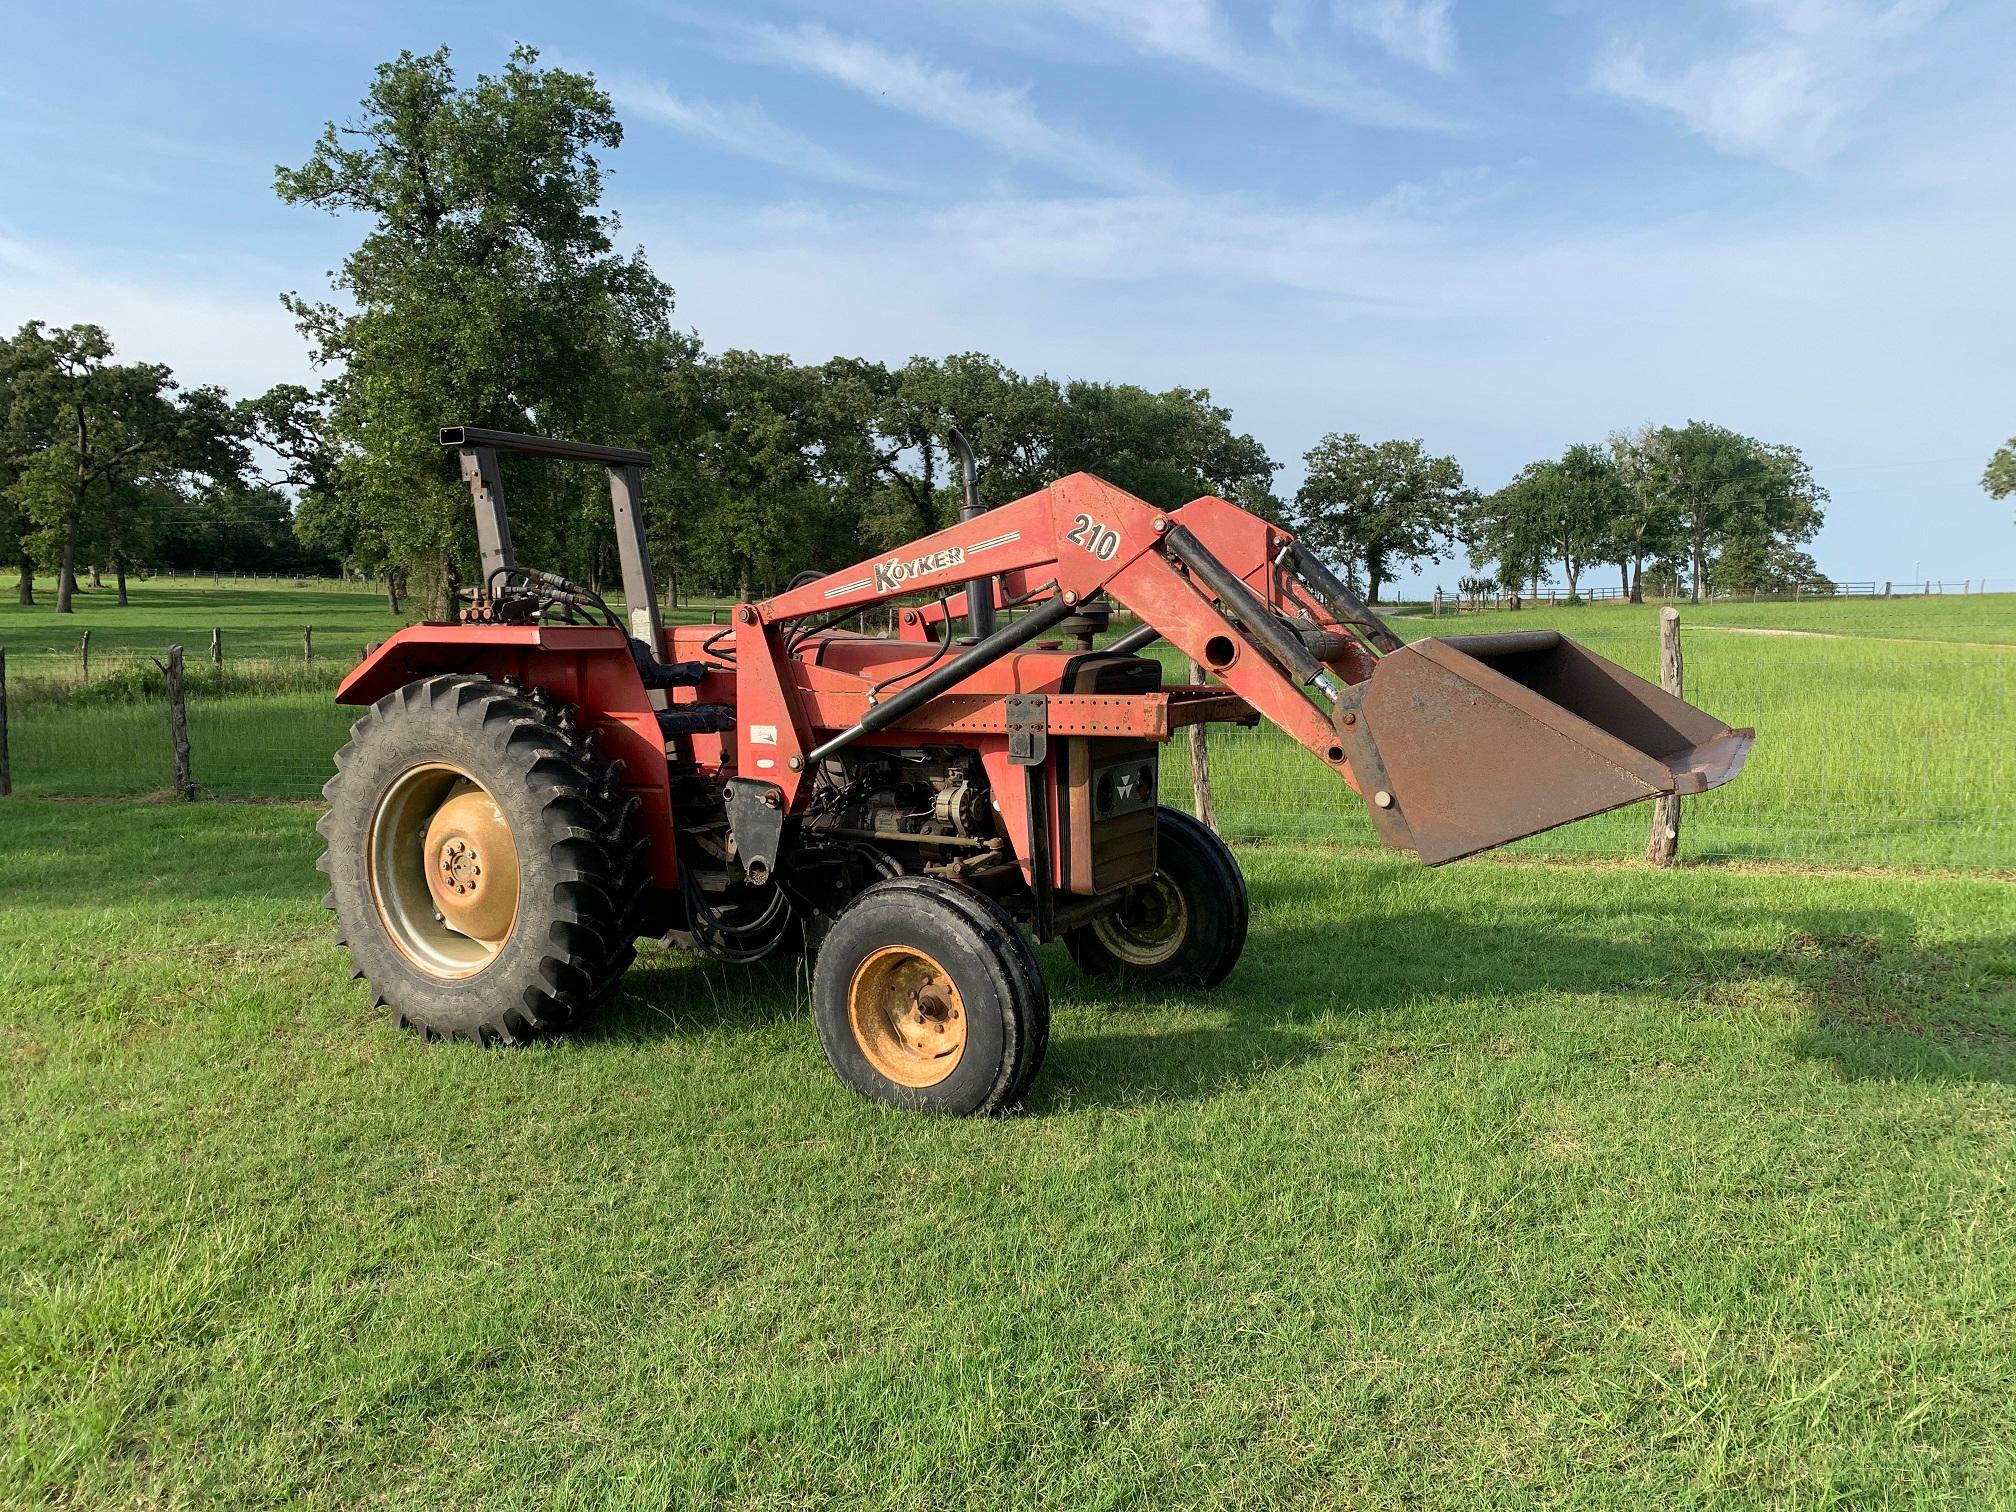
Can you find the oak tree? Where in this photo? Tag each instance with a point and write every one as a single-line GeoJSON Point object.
{"type": "Point", "coordinates": [486, 291]}
{"type": "Point", "coordinates": [1379, 506]}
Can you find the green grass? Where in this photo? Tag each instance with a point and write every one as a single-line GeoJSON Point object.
{"type": "Point", "coordinates": [264, 726]}
{"type": "Point", "coordinates": [261, 623]}
{"type": "Point", "coordinates": [1501, 1185]}
{"type": "Point", "coordinates": [1868, 750]}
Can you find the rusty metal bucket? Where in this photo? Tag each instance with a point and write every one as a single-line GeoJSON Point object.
{"type": "Point", "coordinates": [1477, 740]}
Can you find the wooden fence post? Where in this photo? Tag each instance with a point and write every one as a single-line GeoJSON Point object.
{"type": "Point", "coordinates": [84, 649]}
{"type": "Point", "coordinates": [307, 643]}
{"type": "Point", "coordinates": [1200, 768]}
{"type": "Point", "coordinates": [1664, 845]}
{"type": "Point", "coordinates": [217, 648]}
{"type": "Point", "coordinates": [1886, 590]}
{"type": "Point", "coordinates": [178, 723]}
{"type": "Point", "coordinates": [6, 771]}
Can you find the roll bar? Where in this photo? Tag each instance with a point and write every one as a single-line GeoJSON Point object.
{"type": "Point", "coordinates": [479, 446]}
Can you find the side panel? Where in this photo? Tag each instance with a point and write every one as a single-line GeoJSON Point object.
{"type": "Point", "coordinates": [1110, 789]}
{"type": "Point", "coordinates": [589, 668]}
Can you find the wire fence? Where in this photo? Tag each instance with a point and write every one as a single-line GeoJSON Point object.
{"type": "Point", "coordinates": [1873, 748]}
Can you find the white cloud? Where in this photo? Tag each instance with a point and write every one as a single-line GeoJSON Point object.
{"type": "Point", "coordinates": [1416, 315]}
{"type": "Point", "coordinates": [1002, 118]}
{"type": "Point", "coordinates": [1787, 89]}
{"type": "Point", "coordinates": [206, 331]}
{"type": "Point", "coordinates": [1415, 31]}
{"type": "Point", "coordinates": [1200, 34]}
{"type": "Point", "coordinates": [746, 130]}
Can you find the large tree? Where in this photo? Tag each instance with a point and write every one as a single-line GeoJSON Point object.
{"type": "Point", "coordinates": [485, 292]}
{"type": "Point", "coordinates": [758, 506]}
{"type": "Point", "coordinates": [885, 431]}
{"type": "Point", "coordinates": [1565, 511]}
{"type": "Point", "coordinates": [20, 439]}
{"type": "Point", "coordinates": [1167, 448]}
{"type": "Point", "coordinates": [1729, 488]}
{"type": "Point", "coordinates": [1379, 506]}
{"type": "Point", "coordinates": [1647, 527]}
{"type": "Point", "coordinates": [885, 440]}
{"type": "Point", "coordinates": [103, 428]}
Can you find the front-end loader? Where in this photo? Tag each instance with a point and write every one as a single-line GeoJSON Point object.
{"type": "Point", "coordinates": [541, 783]}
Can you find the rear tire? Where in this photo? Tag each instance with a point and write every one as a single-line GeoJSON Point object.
{"type": "Point", "coordinates": [487, 873]}
{"type": "Point", "coordinates": [1184, 927]}
{"type": "Point", "coordinates": [928, 998]}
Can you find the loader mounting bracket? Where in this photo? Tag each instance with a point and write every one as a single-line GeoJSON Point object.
{"type": "Point", "coordinates": [756, 822]}
{"type": "Point", "coordinates": [1027, 716]}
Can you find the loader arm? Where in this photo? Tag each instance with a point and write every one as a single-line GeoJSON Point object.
{"type": "Point", "coordinates": [1457, 745]}
{"type": "Point", "coordinates": [1051, 551]}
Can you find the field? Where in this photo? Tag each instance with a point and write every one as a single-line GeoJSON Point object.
{"type": "Point", "coordinates": [1883, 734]}
{"type": "Point", "coordinates": [1513, 1183]}
{"type": "Point", "coordinates": [1521, 1182]}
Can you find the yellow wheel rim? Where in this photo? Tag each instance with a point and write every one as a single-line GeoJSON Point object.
{"type": "Point", "coordinates": [1149, 926]}
{"type": "Point", "coordinates": [443, 870]}
{"type": "Point", "coordinates": [907, 1016]}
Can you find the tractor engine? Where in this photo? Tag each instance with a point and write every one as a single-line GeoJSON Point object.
{"type": "Point", "coordinates": [933, 797]}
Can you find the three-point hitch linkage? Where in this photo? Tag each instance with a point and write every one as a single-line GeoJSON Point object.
{"type": "Point", "coordinates": [542, 782]}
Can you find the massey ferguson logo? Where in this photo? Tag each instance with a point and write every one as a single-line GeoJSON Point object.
{"type": "Point", "coordinates": [895, 572]}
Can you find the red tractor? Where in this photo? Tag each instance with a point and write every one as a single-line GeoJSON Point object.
{"type": "Point", "coordinates": [538, 785]}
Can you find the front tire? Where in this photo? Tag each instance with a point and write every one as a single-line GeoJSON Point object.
{"type": "Point", "coordinates": [487, 874]}
{"type": "Point", "coordinates": [1183, 927]}
{"type": "Point", "coordinates": [928, 998]}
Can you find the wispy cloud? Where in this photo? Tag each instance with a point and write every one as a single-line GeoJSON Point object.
{"type": "Point", "coordinates": [1420, 32]}
{"type": "Point", "coordinates": [1786, 90]}
{"type": "Point", "coordinates": [746, 130]}
{"type": "Point", "coordinates": [23, 114]}
{"type": "Point", "coordinates": [1294, 65]}
{"type": "Point", "coordinates": [193, 313]}
{"type": "Point", "coordinates": [947, 97]}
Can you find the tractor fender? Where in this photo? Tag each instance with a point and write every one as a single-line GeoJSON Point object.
{"type": "Point", "coordinates": [586, 666]}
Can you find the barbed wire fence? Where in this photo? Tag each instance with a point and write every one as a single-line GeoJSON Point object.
{"type": "Point", "coordinates": [1871, 750]}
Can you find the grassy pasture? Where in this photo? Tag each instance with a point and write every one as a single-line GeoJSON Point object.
{"type": "Point", "coordinates": [1868, 750]}
{"type": "Point", "coordinates": [1511, 1183]}
{"type": "Point", "coordinates": [1507, 1184]}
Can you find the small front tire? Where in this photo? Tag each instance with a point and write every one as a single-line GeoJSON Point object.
{"type": "Point", "coordinates": [927, 997]}
{"type": "Point", "coordinates": [1183, 927]}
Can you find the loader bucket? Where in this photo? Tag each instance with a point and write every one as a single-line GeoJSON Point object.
{"type": "Point", "coordinates": [1486, 739]}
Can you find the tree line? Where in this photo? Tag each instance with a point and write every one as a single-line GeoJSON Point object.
{"type": "Point", "coordinates": [489, 289]}
{"type": "Point", "coordinates": [1696, 506]}
{"type": "Point", "coordinates": [109, 466]}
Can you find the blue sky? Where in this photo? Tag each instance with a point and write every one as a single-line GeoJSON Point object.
{"type": "Point", "coordinates": [1499, 227]}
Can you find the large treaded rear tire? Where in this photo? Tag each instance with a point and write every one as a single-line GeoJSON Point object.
{"type": "Point", "coordinates": [584, 882]}
{"type": "Point", "coordinates": [1201, 893]}
{"type": "Point", "coordinates": [972, 945]}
